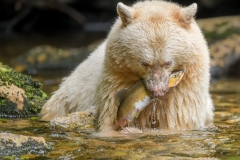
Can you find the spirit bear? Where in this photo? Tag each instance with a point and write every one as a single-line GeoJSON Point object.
{"type": "Point", "coordinates": [149, 41]}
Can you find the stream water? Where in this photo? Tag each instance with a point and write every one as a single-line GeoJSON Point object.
{"type": "Point", "coordinates": [219, 142]}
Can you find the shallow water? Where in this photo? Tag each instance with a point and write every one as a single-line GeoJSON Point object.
{"type": "Point", "coordinates": [219, 142]}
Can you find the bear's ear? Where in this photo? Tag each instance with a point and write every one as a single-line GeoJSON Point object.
{"type": "Point", "coordinates": [188, 13]}
{"type": "Point", "coordinates": [125, 13]}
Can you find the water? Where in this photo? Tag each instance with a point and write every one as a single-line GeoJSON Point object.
{"type": "Point", "coordinates": [219, 142]}
{"type": "Point", "coordinates": [154, 121]}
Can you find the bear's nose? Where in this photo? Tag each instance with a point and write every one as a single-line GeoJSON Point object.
{"type": "Point", "coordinates": [158, 93]}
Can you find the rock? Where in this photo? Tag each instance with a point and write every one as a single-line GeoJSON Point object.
{"type": "Point", "coordinates": [20, 95]}
{"type": "Point", "coordinates": [223, 36]}
{"type": "Point", "coordinates": [45, 59]}
{"type": "Point", "coordinates": [16, 145]}
{"type": "Point", "coordinates": [74, 121]}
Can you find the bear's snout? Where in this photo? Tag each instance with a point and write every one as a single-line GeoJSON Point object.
{"type": "Point", "coordinates": [157, 92]}
{"type": "Point", "coordinates": [157, 84]}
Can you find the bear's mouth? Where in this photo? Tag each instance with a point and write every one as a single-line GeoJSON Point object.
{"type": "Point", "coordinates": [160, 88]}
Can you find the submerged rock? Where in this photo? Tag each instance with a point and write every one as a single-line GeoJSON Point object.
{"type": "Point", "coordinates": [20, 95]}
{"type": "Point", "coordinates": [74, 121]}
{"type": "Point", "coordinates": [16, 145]}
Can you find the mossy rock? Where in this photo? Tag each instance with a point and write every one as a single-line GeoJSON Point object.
{"type": "Point", "coordinates": [20, 95]}
{"type": "Point", "coordinates": [45, 59]}
{"type": "Point", "coordinates": [219, 28]}
{"type": "Point", "coordinates": [223, 36]}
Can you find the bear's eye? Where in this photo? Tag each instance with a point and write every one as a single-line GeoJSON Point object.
{"type": "Point", "coordinates": [144, 64]}
{"type": "Point", "coordinates": [168, 63]}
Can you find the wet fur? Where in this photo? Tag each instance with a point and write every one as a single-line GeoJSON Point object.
{"type": "Point", "coordinates": [153, 32]}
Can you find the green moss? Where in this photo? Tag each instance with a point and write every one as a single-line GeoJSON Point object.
{"type": "Point", "coordinates": [223, 23]}
{"type": "Point", "coordinates": [34, 99]}
{"type": "Point", "coordinates": [9, 158]}
{"type": "Point", "coordinates": [213, 36]}
{"type": "Point", "coordinates": [3, 120]}
{"type": "Point", "coordinates": [34, 118]}
{"type": "Point", "coordinates": [4, 68]}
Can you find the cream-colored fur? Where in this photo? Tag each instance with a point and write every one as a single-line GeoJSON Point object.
{"type": "Point", "coordinates": [149, 40]}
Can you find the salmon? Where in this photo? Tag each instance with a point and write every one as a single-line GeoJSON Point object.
{"type": "Point", "coordinates": [134, 99]}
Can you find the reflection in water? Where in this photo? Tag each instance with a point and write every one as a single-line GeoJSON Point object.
{"type": "Point", "coordinates": [219, 142]}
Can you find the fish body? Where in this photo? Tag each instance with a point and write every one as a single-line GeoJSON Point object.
{"type": "Point", "coordinates": [134, 99]}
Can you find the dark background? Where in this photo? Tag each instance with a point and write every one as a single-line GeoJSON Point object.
{"type": "Point", "coordinates": [92, 15]}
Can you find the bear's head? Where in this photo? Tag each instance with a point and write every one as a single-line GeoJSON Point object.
{"type": "Point", "coordinates": [152, 39]}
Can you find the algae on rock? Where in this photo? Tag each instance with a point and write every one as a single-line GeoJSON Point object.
{"type": "Point", "coordinates": [20, 95]}
{"type": "Point", "coordinates": [17, 145]}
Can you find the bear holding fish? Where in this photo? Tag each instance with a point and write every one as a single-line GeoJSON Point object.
{"type": "Point", "coordinates": [155, 54]}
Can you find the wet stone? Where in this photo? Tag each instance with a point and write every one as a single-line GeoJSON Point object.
{"type": "Point", "coordinates": [15, 145]}
{"type": "Point", "coordinates": [74, 121]}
